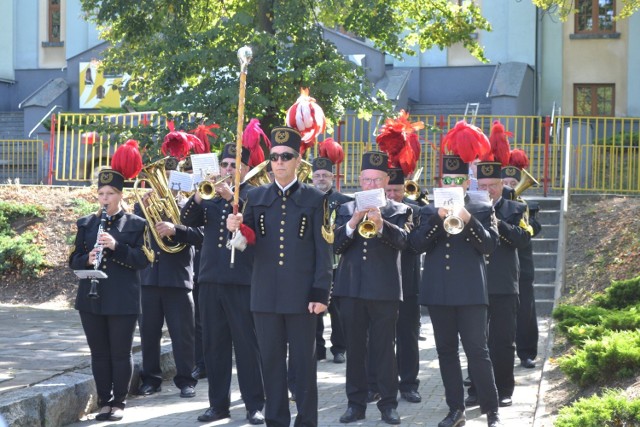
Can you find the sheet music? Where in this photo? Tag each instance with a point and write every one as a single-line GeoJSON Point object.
{"type": "Point", "coordinates": [205, 164]}
{"type": "Point", "coordinates": [180, 181]}
{"type": "Point", "coordinates": [90, 274]}
{"type": "Point", "coordinates": [449, 197]}
{"type": "Point", "coordinates": [479, 195]}
{"type": "Point", "coordinates": [370, 199]}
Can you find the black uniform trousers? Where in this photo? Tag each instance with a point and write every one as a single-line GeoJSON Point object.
{"type": "Point", "coordinates": [228, 324]}
{"type": "Point", "coordinates": [338, 344]}
{"type": "Point", "coordinates": [199, 351]}
{"type": "Point", "coordinates": [274, 332]}
{"type": "Point", "coordinates": [527, 323]}
{"type": "Point", "coordinates": [370, 326]}
{"type": "Point", "coordinates": [176, 306]}
{"type": "Point", "coordinates": [110, 338]}
{"type": "Point", "coordinates": [470, 323]}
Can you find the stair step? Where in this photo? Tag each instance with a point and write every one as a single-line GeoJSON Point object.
{"type": "Point", "coordinates": [542, 245]}
{"type": "Point", "coordinates": [545, 259]}
{"type": "Point", "coordinates": [545, 275]}
{"type": "Point", "coordinates": [549, 231]}
{"type": "Point", "coordinates": [549, 216]}
{"type": "Point", "coordinates": [544, 291]}
{"type": "Point", "coordinates": [544, 307]}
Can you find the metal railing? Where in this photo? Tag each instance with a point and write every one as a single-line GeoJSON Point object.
{"type": "Point", "coordinates": [22, 160]}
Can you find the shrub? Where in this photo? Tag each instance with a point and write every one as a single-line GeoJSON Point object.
{"type": "Point", "coordinates": [620, 294]}
{"type": "Point", "coordinates": [19, 253]}
{"type": "Point", "coordinates": [11, 212]}
{"type": "Point", "coordinates": [608, 410]}
{"type": "Point", "coordinates": [572, 315]}
{"type": "Point", "coordinates": [82, 208]}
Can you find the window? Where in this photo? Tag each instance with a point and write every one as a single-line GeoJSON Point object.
{"type": "Point", "coordinates": [54, 20]}
{"type": "Point", "coordinates": [595, 16]}
{"type": "Point", "coordinates": [594, 99]}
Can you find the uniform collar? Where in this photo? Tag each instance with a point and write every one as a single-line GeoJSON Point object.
{"type": "Point", "coordinates": [288, 190]}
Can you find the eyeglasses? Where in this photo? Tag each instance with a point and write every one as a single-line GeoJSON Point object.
{"type": "Point", "coordinates": [494, 186]}
{"type": "Point", "coordinates": [285, 157]}
{"type": "Point", "coordinates": [227, 164]}
{"type": "Point", "coordinates": [457, 180]}
{"type": "Point", "coordinates": [322, 176]}
{"type": "Point", "coordinates": [369, 181]}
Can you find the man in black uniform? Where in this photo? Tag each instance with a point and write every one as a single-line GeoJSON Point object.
{"type": "Point", "coordinates": [502, 276]}
{"type": "Point", "coordinates": [455, 292]}
{"type": "Point", "coordinates": [322, 178]}
{"type": "Point", "coordinates": [527, 324]}
{"type": "Point", "coordinates": [291, 278]}
{"type": "Point", "coordinates": [167, 295]}
{"type": "Point", "coordinates": [224, 299]}
{"type": "Point", "coordinates": [368, 284]}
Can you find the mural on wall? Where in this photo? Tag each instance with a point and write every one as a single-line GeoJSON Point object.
{"type": "Point", "coordinates": [97, 90]}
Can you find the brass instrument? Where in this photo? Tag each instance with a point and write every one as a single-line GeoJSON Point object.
{"type": "Point", "coordinates": [161, 203]}
{"type": "Point", "coordinates": [526, 181]}
{"type": "Point", "coordinates": [367, 228]}
{"type": "Point", "coordinates": [207, 189]}
{"type": "Point", "coordinates": [453, 224]}
{"type": "Point", "coordinates": [412, 189]}
{"type": "Point", "coordinates": [258, 175]}
{"type": "Point", "coordinates": [304, 170]}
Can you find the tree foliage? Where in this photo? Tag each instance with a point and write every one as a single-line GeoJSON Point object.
{"type": "Point", "coordinates": [563, 8]}
{"type": "Point", "coordinates": [182, 54]}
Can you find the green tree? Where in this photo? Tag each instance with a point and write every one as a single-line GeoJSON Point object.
{"type": "Point", "coordinates": [563, 8]}
{"type": "Point", "coordinates": [181, 54]}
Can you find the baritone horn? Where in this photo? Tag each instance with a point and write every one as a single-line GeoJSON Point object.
{"type": "Point", "coordinates": [526, 181]}
{"type": "Point", "coordinates": [160, 204]}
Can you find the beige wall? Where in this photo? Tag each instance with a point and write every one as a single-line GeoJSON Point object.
{"type": "Point", "coordinates": [51, 57]}
{"type": "Point", "coordinates": [458, 55]}
{"type": "Point", "coordinates": [595, 61]}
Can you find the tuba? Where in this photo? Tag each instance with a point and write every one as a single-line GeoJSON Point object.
{"type": "Point", "coordinates": [525, 182]}
{"type": "Point", "coordinates": [304, 170]}
{"type": "Point", "coordinates": [162, 205]}
{"type": "Point", "coordinates": [258, 175]}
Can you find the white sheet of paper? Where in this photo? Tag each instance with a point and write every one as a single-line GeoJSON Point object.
{"type": "Point", "coordinates": [479, 195]}
{"type": "Point", "coordinates": [180, 181]}
{"type": "Point", "coordinates": [448, 197]}
{"type": "Point", "coordinates": [90, 274]}
{"type": "Point", "coordinates": [205, 164]}
{"type": "Point", "coordinates": [370, 199]}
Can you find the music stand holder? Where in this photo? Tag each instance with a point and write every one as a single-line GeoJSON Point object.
{"type": "Point", "coordinates": [90, 274]}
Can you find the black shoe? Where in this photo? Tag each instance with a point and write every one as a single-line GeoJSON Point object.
{"type": "Point", "coordinates": [148, 389]}
{"type": "Point", "coordinates": [338, 358]}
{"type": "Point", "coordinates": [104, 416]}
{"type": "Point", "coordinates": [116, 414]}
{"type": "Point", "coordinates": [505, 401]}
{"type": "Point", "coordinates": [421, 338]}
{"type": "Point", "coordinates": [467, 382]}
{"type": "Point", "coordinates": [373, 396]}
{"type": "Point", "coordinates": [188, 391]}
{"type": "Point", "coordinates": [321, 355]}
{"type": "Point", "coordinates": [453, 419]}
{"type": "Point", "coordinates": [213, 415]}
{"type": "Point", "coordinates": [493, 420]}
{"type": "Point", "coordinates": [198, 373]}
{"type": "Point", "coordinates": [471, 401]}
{"type": "Point", "coordinates": [411, 396]}
{"type": "Point", "coordinates": [351, 414]}
{"type": "Point", "coordinates": [255, 417]}
{"type": "Point", "coordinates": [390, 416]}
{"type": "Point", "coordinates": [527, 363]}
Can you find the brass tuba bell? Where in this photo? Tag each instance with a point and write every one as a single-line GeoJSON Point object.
{"type": "Point", "coordinates": [526, 181]}
{"type": "Point", "coordinates": [304, 170]}
{"type": "Point", "coordinates": [258, 175]}
{"type": "Point", "coordinates": [162, 205]}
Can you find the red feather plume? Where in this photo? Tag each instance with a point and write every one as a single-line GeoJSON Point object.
{"type": "Point", "coordinates": [176, 144]}
{"type": "Point", "coordinates": [251, 138]}
{"type": "Point", "coordinates": [519, 159]}
{"type": "Point", "coordinates": [499, 143]}
{"type": "Point", "coordinates": [196, 144]}
{"type": "Point", "coordinates": [399, 140]}
{"type": "Point", "coordinates": [204, 132]}
{"type": "Point", "coordinates": [332, 150]}
{"type": "Point", "coordinates": [127, 159]}
{"type": "Point", "coordinates": [307, 117]}
{"type": "Point", "coordinates": [468, 142]}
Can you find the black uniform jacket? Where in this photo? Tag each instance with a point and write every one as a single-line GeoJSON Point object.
{"type": "Point", "coordinates": [503, 266]}
{"type": "Point", "coordinates": [292, 263]}
{"type": "Point", "coordinates": [525, 255]}
{"type": "Point", "coordinates": [410, 259]}
{"type": "Point", "coordinates": [215, 258]}
{"type": "Point", "coordinates": [172, 270]}
{"type": "Point", "coordinates": [370, 268]}
{"type": "Point", "coordinates": [120, 292]}
{"type": "Point", "coordinates": [336, 199]}
{"type": "Point", "coordinates": [454, 269]}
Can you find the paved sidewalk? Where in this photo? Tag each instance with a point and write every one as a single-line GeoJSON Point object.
{"type": "Point", "coordinates": [45, 379]}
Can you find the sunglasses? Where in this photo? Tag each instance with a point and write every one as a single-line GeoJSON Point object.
{"type": "Point", "coordinates": [226, 164]}
{"type": "Point", "coordinates": [285, 157]}
{"type": "Point", "coordinates": [457, 180]}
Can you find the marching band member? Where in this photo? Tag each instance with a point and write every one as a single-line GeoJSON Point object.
{"type": "Point", "coordinates": [224, 297]}
{"type": "Point", "coordinates": [109, 321]}
{"type": "Point", "coordinates": [291, 278]}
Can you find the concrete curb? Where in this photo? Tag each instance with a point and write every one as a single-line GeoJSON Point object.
{"type": "Point", "coordinates": [67, 397]}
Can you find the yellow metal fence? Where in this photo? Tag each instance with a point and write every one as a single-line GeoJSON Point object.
{"type": "Point", "coordinates": [22, 160]}
{"type": "Point", "coordinates": [604, 152]}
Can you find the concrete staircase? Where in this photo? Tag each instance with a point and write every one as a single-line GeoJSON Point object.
{"type": "Point", "coordinates": [12, 125]}
{"type": "Point", "coordinates": [545, 253]}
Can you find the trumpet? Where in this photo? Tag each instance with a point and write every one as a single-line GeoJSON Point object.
{"type": "Point", "coordinates": [367, 228]}
{"type": "Point", "coordinates": [411, 190]}
{"type": "Point", "coordinates": [453, 224]}
{"type": "Point", "coordinates": [207, 189]}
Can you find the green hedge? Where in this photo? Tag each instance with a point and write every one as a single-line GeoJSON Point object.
{"type": "Point", "coordinates": [611, 409]}
{"type": "Point", "coordinates": [19, 253]}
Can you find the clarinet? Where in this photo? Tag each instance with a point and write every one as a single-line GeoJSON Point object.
{"type": "Point", "coordinates": [93, 292]}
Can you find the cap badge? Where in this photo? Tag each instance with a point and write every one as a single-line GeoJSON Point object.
{"type": "Point", "coordinates": [281, 137]}
{"type": "Point", "coordinates": [487, 170]}
{"type": "Point", "coordinates": [376, 159]}
{"type": "Point", "coordinates": [453, 163]}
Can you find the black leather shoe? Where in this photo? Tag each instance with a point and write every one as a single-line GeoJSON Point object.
{"type": "Point", "coordinates": [116, 414]}
{"type": "Point", "coordinates": [213, 415]}
{"type": "Point", "coordinates": [505, 401]}
{"type": "Point", "coordinates": [493, 420]}
{"type": "Point", "coordinates": [188, 391]}
{"type": "Point", "coordinates": [467, 382]}
{"type": "Point", "coordinates": [198, 373]}
{"type": "Point", "coordinates": [255, 417]}
{"type": "Point", "coordinates": [338, 358]}
{"type": "Point", "coordinates": [527, 363]}
{"type": "Point", "coordinates": [351, 414]}
{"type": "Point", "coordinates": [373, 396]}
{"type": "Point", "coordinates": [148, 389]}
{"type": "Point", "coordinates": [104, 416]}
{"type": "Point", "coordinates": [453, 419]}
{"type": "Point", "coordinates": [471, 401]}
{"type": "Point", "coordinates": [411, 396]}
{"type": "Point", "coordinates": [321, 355]}
{"type": "Point", "coordinates": [390, 416]}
